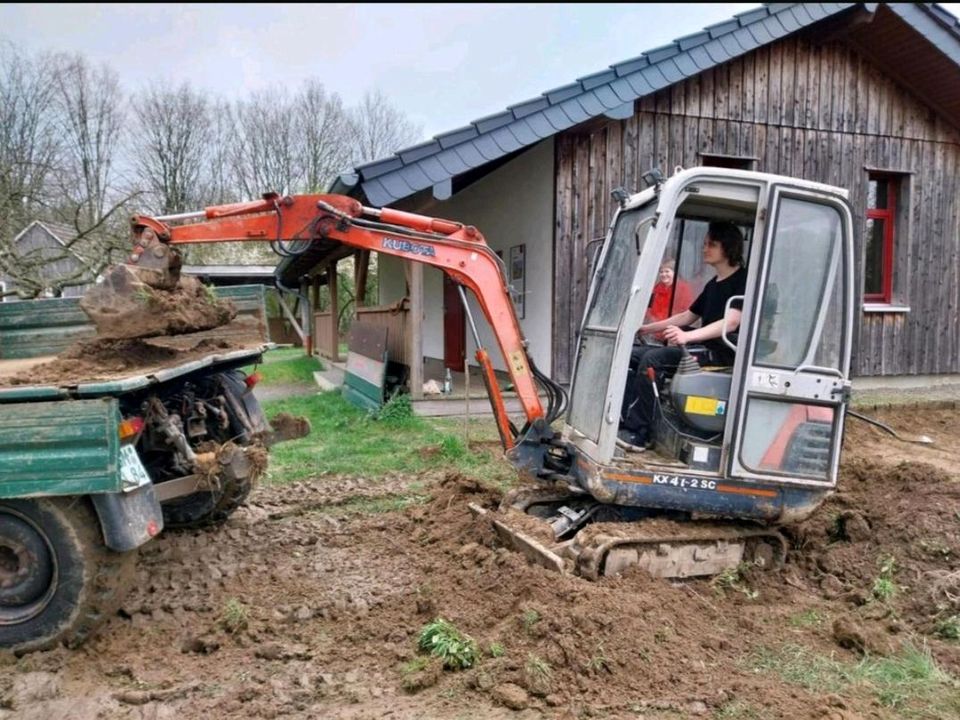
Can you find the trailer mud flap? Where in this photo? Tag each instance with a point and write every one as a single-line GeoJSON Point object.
{"type": "Point", "coordinates": [128, 519]}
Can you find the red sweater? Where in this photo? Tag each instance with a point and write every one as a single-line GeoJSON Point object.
{"type": "Point", "coordinates": [660, 305]}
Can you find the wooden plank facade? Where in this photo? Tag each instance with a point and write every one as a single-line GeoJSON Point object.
{"type": "Point", "coordinates": [821, 112]}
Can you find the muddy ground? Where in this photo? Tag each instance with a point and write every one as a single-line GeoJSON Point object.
{"type": "Point", "coordinates": [308, 605]}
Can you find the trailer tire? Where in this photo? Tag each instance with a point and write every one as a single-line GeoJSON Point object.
{"type": "Point", "coordinates": [205, 509]}
{"type": "Point", "coordinates": [58, 580]}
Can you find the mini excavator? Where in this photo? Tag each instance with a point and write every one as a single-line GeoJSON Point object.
{"type": "Point", "coordinates": [738, 452]}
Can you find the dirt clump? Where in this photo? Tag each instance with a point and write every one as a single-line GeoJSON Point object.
{"type": "Point", "coordinates": [289, 427]}
{"type": "Point", "coordinates": [124, 307]}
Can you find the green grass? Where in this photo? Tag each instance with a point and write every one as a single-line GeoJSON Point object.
{"type": "Point", "coordinates": [287, 366]}
{"type": "Point", "coordinates": [808, 618]}
{"type": "Point", "coordinates": [910, 683]}
{"type": "Point", "coordinates": [348, 441]}
{"type": "Point", "coordinates": [235, 617]}
{"type": "Point", "coordinates": [884, 588]}
{"type": "Point", "coordinates": [443, 640]}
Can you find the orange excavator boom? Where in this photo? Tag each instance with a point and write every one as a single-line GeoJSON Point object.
{"type": "Point", "coordinates": [458, 250]}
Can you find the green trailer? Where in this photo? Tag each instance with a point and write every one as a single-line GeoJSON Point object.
{"type": "Point", "coordinates": [92, 470]}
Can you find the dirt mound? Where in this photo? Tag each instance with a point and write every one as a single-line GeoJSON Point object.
{"type": "Point", "coordinates": [124, 307]}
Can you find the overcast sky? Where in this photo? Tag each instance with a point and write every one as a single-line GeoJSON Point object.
{"type": "Point", "coordinates": [443, 65]}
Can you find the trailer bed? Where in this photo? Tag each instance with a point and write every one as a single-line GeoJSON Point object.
{"type": "Point", "coordinates": [164, 358]}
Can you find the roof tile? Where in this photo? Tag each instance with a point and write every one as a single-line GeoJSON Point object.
{"type": "Point", "coordinates": [505, 139]}
{"type": "Point", "coordinates": [557, 117]}
{"type": "Point", "coordinates": [574, 111]}
{"type": "Point", "coordinates": [589, 82]}
{"type": "Point", "coordinates": [629, 66]}
{"type": "Point", "coordinates": [522, 131]}
{"type": "Point", "coordinates": [424, 149]}
{"type": "Point", "coordinates": [492, 122]}
{"type": "Point", "coordinates": [540, 126]}
{"type": "Point", "coordinates": [529, 107]}
{"type": "Point", "coordinates": [471, 156]}
{"type": "Point", "coordinates": [565, 92]}
{"type": "Point", "coordinates": [486, 146]}
{"type": "Point", "coordinates": [662, 53]}
{"type": "Point", "coordinates": [452, 162]}
{"type": "Point", "coordinates": [455, 137]}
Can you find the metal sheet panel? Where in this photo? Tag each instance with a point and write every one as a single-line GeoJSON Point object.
{"type": "Point", "coordinates": [59, 448]}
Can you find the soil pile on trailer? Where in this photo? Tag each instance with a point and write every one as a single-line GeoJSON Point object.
{"type": "Point", "coordinates": [123, 306]}
{"type": "Point", "coordinates": [308, 603]}
{"type": "Point", "coordinates": [103, 359]}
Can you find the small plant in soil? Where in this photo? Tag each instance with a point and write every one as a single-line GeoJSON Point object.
{"type": "Point", "coordinates": [733, 579]}
{"type": "Point", "coordinates": [599, 661]}
{"type": "Point", "coordinates": [496, 650]}
{"type": "Point", "coordinates": [443, 640]}
{"type": "Point", "coordinates": [884, 588]}
{"type": "Point", "coordinates": [529, 619]}
{"type": "Point", "coordinates": [396, 409]}
{"type": "Point", "coordinates": [235, 617]}
{"type": "Point", "coordinates": [948, 628]}
{"type": "Point", "coordinates": [538, 669]}
{"type": "Point", "coordinates": [808, 618]}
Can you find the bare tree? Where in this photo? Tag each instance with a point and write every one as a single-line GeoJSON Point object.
{"type": "Point", "coordinates": [29, 149]}
{"type": "Point", "coordinates": [29, 142]}
{"type": "Point", "coordinates": [324, 139]}
{"type": "Point", "coordinates": [90, 115]}
{"type": "Point", "coordinates": [265, 155]}
{"type": "Point", "coordinates": [218, 185]}
{"type": "Point", "coordinates": [169, 145]}
{"type": "Point", "coordinates": [379, 129]}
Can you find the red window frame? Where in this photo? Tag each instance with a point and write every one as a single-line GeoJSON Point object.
{"type": "Point", "coordinates": [888, 215]}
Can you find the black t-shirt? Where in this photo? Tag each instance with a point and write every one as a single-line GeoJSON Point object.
{"type": "Point", "coordinates": [710, 304]}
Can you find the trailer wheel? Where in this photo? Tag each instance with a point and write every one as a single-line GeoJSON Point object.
{"type": "Point", "coordinates": [204, 509]}
{"type": "Point", "coordinates": [58, 581]}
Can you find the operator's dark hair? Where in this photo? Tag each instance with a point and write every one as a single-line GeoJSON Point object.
{"type": "Point", "coordinates": [730, 239]}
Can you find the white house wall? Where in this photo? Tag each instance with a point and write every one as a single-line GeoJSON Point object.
{"type": "Point", "coordinates": [513, 205]}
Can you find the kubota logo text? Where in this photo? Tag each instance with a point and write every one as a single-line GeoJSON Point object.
{"type": "Point", "coordinates": [409, 247]}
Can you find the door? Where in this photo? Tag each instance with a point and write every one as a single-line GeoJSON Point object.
{"type": "Point", "coordinates": [793, 373]}
{"type": "Point", "coordinates": [454, 327]}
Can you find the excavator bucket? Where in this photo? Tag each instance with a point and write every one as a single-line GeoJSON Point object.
{"type": "Point", "coordinates": [147, 297]}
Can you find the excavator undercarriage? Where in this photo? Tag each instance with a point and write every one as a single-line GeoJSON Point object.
{"type": "Point", "coordinates": [574, 534]}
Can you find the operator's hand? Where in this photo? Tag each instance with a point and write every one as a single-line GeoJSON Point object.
{"type": "Point", "coordinates": [675, 336]}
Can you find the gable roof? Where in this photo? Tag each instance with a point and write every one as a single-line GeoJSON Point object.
{"type": "Point", "coordinates": [613, 92]}
{"type": "Point", "coordinates": [65, 235]}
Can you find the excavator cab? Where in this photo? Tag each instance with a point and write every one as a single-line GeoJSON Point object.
{"type": "Point", "coordinates": [740, 449]}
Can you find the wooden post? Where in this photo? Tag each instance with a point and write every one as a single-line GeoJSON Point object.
{"type": "Point", "coordinates": [416, 329]}
{"type": "Point", "coordinates": [306, 318]}
{"type": "Point", "coordinates": [314, 309]}
{"type": "Point", "coordinates": [334, 310]}
{"type": "Point", "coordinates": [361, 264]}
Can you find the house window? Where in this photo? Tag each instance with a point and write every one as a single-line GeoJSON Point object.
{"type": "Point", "coordinates": [734, 162]}
{"type": "Point", "coordinates": [879, 238]}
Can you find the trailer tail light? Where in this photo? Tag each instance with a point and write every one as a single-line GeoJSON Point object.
{"type": "Point", "coordinates": [130, 428]}
{"type": "Point", "coordinates": [252, 379]}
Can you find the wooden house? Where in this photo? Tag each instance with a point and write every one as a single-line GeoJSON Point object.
{"type": "Point", "coordinates": [861, 95]}
{"type": "Point", "coordinates": [53, 257]}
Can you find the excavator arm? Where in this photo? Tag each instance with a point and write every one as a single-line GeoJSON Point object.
{"type": "Point", "coordinates": [458, 250]}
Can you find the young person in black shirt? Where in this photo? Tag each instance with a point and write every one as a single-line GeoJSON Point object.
{"type": "Point", "coordinates": [723, 251]}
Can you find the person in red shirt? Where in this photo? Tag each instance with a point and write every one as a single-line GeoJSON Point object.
{"type": "Point", "coordinates": [668, 288]}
